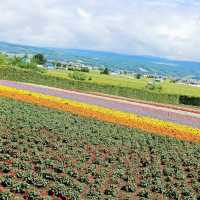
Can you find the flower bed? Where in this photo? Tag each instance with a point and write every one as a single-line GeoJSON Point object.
{"type": "Point", "coordinates": [50, 154]}
{"type": "Point", "coordinates": [108, 115]}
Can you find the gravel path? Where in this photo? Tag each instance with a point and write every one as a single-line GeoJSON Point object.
{"type": "Point", "coordinates": [166, 114]}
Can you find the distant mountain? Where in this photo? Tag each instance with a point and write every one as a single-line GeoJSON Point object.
{"type": "Point", "coordinates": [114, 61]}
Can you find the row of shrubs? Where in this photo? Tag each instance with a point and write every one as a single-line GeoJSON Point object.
{"type": "Point", "coordinates": [16, 74]}
{"type": "Point", "coordinates": [189, 100]}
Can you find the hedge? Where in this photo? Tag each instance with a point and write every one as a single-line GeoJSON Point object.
{"type": "Point", "coordinates": [188, 100]}
{"type": "Point", "coordinates": [30, 76]}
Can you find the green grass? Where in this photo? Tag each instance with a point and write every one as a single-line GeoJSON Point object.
{"type": "Point", "coordinates": [175, 88]}
{"type": "Point", "coordinates": [125, 81]}
{"type": "Point", "coordinates": [46, 154]}
{"type": "Point", "coordinates": [107, 84]}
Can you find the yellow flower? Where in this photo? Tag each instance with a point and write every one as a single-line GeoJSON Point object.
{"type": "Point", "coordinates": [128, 119]}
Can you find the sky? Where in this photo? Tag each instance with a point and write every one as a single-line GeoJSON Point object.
{"type": "Point", "coordinates": [165, 28]}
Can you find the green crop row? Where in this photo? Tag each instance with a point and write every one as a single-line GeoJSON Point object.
{"type": "Point", "coordinates": [48, 154]}
{"type": "Point", "coordinates": [16, 74]}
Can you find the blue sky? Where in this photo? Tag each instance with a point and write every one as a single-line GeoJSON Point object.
{"type": "Point", "coordinates": [167, 28]}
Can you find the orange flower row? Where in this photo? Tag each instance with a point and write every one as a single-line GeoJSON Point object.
{"type": "Point", "coordinates": [108, 115]}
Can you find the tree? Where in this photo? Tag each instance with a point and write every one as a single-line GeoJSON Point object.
{"type": "Point", "coordinates": [58, 65]}
{"type": "Point", "coordinates": [105, 71]}
{"type": "Point", "coordinates": [39, 59]}
{"type": "Point", "coordinates": [138, 76]}
{"type": "Point", "coordinates": [85, 69]}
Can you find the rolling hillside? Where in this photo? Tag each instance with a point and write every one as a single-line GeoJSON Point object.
{"type": "Point", "coordinates": [139, 64]}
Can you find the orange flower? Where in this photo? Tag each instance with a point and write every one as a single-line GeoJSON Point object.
{"type": "Point", "coordinates": [127, 119]}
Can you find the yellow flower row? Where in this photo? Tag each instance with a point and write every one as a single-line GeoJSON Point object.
{"type": "Point", "coordinates": [128, 119]}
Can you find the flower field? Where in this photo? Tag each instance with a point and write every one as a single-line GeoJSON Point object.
{"type": "Point", "coordinates": [50, 154]}
{"type": "Point", "coordinates": [133, 121]}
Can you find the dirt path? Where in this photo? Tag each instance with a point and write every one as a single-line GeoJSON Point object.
{"type": "Point", "coordinates": [180, 115]}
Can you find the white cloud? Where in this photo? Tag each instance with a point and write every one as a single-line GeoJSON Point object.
{"type": "Point", "coordinates": [168, 28]}
{"type": "Point", "coordinates": [83, 13]}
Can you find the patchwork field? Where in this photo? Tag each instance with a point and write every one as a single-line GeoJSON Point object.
{"type": "Point", "coordinates": [49, 154]}
{"type": "Point", "coordinates": [149, 124]}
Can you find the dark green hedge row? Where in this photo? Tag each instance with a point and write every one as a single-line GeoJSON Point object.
{"type": "Point", "coordinates": [16, 74]}
{"type": "Point", "coordinates": [187, 100]}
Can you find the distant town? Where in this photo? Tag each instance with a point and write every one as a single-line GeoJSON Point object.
{"type": "Point", "coordinates": [79, 66]}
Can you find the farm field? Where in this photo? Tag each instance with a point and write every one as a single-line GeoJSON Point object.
{"type": "Point", "coordinates": [179, 128]}
{"type": "Point", "coordinates": [106, 84]}
{"type": "Point", "coordinates": [49, 154]}
{"type": "Point", "coordinates": [117, 80]}
{"type": "Point", "coordinates": [126, 81]}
